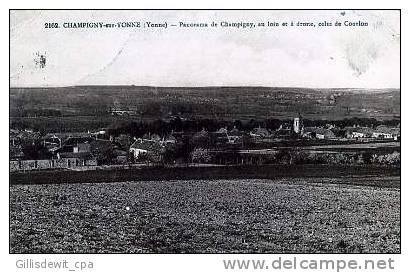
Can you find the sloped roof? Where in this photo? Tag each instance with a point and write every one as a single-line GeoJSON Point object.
{"type": "Point", "coordinates": [319, 130]}
{"type": "Point", "coordinates": [171, 138]}
{"type": "Point", "coordinates": [222, 130]}
{"type": "Point", "coordinates": [78, 140]}
{"type": "Point", "coordinates": [202, 133]}
{"type": "Point", "coordinates": [235, 132]}
{"type": "Point", "coordinates": [101, 144]}
{"type": "Point", "coordinates": [387, 130]}
{"type": "Point", "coordinates": [260, 131]}
{"type": "Point", "coordinates": [149, 136]}
{"type": "Point", "coordinates": [282, 132]}
{"type": "Point", "coordinates": [363, 130]}
{"type": "Point", "coordinates": [147, 145]}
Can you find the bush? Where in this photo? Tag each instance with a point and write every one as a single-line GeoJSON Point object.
{"type": "Point", "coordinates": [392, 159]}
{"type": "Point", "coordinates": [200, 155]}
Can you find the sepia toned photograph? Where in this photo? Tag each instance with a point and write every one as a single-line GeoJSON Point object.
{"type": "Point", "coordinates": [204, 131]}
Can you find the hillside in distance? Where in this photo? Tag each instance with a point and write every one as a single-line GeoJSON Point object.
{"type": "Point", "coordinates": [205, 102]}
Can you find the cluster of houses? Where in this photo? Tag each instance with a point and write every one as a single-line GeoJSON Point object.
{"type": "Point", "coordinates": [330, 132]}
{"type": "Point", "coordinates": [151, 144]}
{"type": "Point", "coordinates": [65, 149]}
{"type": "Point", "coordinates": [356, 132]}
{"type": "Point", "coordinates": [98, 148]}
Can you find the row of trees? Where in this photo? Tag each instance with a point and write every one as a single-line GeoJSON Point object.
{"type": "Point", "coordinates": [290, 157]}
{"type": "Point", "coordinates": [177, 124]}
{"type": "Point", "coordinates": [121, 125]}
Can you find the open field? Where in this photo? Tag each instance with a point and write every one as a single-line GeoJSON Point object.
{"type": "Point", "coordinates": [359, 146]}
{"type": "Point", "coordinates": [362, 175]}
{"type": "Point", "coordinates": [242, 215]}
{"type": "Point", "coordinates": [81, 108]}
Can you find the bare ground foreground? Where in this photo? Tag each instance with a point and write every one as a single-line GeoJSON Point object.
{"type": "Point", "coordinates": [283, 215]}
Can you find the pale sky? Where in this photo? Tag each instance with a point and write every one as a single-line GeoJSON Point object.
{"type": "Point", "coordinates": [320, 57]}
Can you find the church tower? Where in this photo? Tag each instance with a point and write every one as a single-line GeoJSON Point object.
{"type": "Point", "coordinates": [297, 125]}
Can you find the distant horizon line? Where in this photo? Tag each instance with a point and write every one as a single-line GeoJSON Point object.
{"type": "Point", "coordinates": [206, 86]}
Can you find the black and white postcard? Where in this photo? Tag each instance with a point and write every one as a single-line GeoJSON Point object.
{"type": "Point", "coordinates": [204, 131]}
